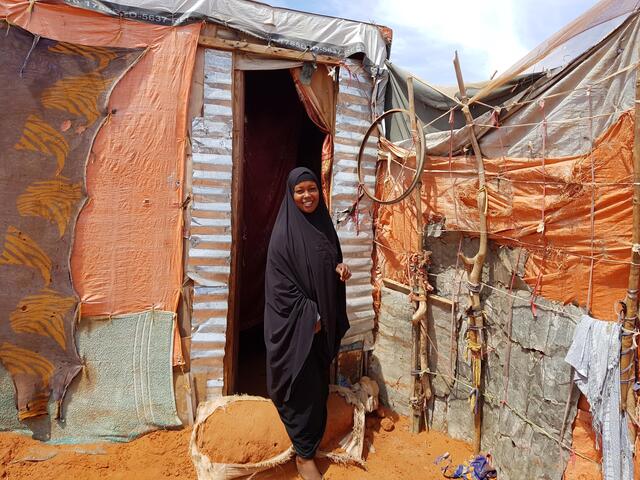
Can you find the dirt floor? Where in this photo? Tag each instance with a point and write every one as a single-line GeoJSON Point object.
{"type": "Point", "coordinates": [398, 454]}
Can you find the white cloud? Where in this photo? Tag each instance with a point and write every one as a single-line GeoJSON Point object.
{"type": "Point", "coordinates": [484, 32]}
{"type": "Point", "coordinates": [426, 33]}
{"type": "Point", "coordinates": [489, 35]}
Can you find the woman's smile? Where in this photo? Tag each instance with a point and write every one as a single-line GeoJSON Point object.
{"type": "Point", "coordinates": [306, 196]}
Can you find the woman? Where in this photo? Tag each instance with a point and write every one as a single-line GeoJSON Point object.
{"type": "Point", "coordinates": [305, 314]}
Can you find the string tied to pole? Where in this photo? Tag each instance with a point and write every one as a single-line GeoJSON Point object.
{"type": "Point", "coordinates": [482, 190]}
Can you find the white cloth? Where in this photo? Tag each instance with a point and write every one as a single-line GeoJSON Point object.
{"type": "Point", "coordinates": [595, 356]}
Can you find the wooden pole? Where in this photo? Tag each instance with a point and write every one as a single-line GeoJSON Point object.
{"type": "Point", "coordinates": [627, 353]}
{"type": "Point", "coordinates": [417, 191]}
{"type": "Point", "coordinates": [265, 50]}
{"type": "Point", "coordinates": [475, 338]}
{"type": "Point", "coordinates": [415, 401]}
{"type": "Point", "coordinates": [232, 346]}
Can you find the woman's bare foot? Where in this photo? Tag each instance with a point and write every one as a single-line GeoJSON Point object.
{"type": "Point", "coordinates": [308, 469]}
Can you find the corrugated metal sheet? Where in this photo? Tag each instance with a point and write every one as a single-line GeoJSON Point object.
{"type": "Point", "coordinates": [210, 240]}
{"type": "Point", "coordinates": [209, 259]}
{"type": "Point", "coordinates": [353, 117]}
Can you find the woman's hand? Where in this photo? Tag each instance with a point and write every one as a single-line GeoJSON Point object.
{"type": "Point", "coordinates": [343, 270]}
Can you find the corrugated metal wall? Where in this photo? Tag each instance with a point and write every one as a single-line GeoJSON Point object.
{"type": "Point", "coordinates": [353, 117]}
{"type": "Point", "coordinates": [210, 240]}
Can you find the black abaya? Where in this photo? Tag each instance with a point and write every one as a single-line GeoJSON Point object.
{"type": "Point", "coordinates": [302, 286]}
{"type": "Point", "coordinates": [305, 413]}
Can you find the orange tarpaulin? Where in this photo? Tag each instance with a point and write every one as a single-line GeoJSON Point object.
{"type": "Point", "coordinates": [127, 255]}
{"type": "Point", "coordinates": [568, 251]}
{"type": "Point", "coordinates": [319, 100]}
{"type": "Point", "coordinates": [543, 206]}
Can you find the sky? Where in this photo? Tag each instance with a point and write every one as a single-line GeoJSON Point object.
{"type": "Point", "coordinates": [489, 35]}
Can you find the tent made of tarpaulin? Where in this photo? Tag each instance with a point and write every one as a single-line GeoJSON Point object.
{"type": "Point", "coordinates": [556, 132]}
{"type": "Point", "coordinates": [150, 257]}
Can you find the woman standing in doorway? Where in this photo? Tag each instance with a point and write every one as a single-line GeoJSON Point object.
{"type": "Point", "coordinates": [305, 314]}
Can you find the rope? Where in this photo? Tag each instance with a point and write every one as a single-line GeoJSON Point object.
{"type": "Point", "coordinates": [495, 401]}
{"type": "Point", "coordinates": [483, 189]}
{"type": "Point", "coordinates": [454, 327]}
{"type": "Point", "coordinates": [474, 350]}
{"type": "Point", "coordinates": [555, 122]}
{"type": "Point", "coordinates": [577, 89]}
{"type": "Point", "coordinates": [356, 210]}
{"type": "Point", "coordinates": [535, 293]}
{"type": "Point", "coordinates": [516, 297]}
{"type": "Point", "coordinates": [593, 198]}
{"type": "Point", "coordinates": [509, 332]}
{"type": "Point", "coordinates": [451, 182]}
{"type": "Point", "coordinates": [502, 177]}
{"type": "Point", "coordinates": [541, 228]}
{"type": "Point", "coordinates": [532, 248]}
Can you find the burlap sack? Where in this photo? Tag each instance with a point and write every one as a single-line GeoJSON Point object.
{"type": "Point", "coordinates": [352, 444]}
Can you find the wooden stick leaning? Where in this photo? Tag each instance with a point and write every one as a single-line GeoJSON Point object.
{"type": "Point", "coordinates": [475, 340]}
{"type": "Point", "coordinates": [627, 350]}
{"type": "Point", "coordinates": [420, 363]}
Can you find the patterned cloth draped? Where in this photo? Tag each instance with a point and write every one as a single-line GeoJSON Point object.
{"type": "Point", "coordinates": [54, 99]}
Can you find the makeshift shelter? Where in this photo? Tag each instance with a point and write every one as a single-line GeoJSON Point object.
{"type": "Point", "coordinates": [144, 159]}
{"type": "Point", "coordinates": [132, 287]}
{"type": "Point", "coordinates": [556, 138]}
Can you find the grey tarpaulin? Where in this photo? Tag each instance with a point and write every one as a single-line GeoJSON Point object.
{"type": "Point", "coordinates": [433, 103]}
{"type": "Point", "coordinates": [595, 356]}
{"type": "Point", "coordinates": [579, 101]}
{"type": "Point", "coordinates": [280, 26]}
{"type": "Point", "coordinates": [538, 379]}
{"type": "Point", "coordinates": [283, 27]}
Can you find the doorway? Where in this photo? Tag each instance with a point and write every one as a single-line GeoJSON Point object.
{"type": "Point", "coordinates": [278, 136]}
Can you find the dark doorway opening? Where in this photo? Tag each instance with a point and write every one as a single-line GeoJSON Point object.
{"type": "Point", "coordinates": [278, 136]}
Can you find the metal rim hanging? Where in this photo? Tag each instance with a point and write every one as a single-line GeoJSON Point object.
{"type": "Point", "coordinates": [419, 158]}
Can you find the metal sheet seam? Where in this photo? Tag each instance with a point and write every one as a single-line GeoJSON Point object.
{"type": "Point", "coordinates": [358, 248]}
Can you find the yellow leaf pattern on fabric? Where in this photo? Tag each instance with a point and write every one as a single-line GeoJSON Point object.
{"type": "Point", "coordinates": [43, 314]}
{"type": "Point", "coordinates": [22, 361]}
{"type": "Point", "coordinates": [39, 136]}
{"type": "Point", "coordinates": [20, 249]}
{"type": "Point", "coordinates": [97, 54]}
{"type": "Point", "coordinates": [54, 200]}
{"type": "Point", "coordinates": [77, 95]}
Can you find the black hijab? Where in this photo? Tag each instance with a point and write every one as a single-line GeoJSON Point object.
{"type": "Point", "coordinates": [300, 284]}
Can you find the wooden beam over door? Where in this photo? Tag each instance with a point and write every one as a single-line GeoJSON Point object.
{"type": "Point", "coordinates": [265, 50]}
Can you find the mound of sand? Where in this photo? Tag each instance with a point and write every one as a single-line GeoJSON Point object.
{"type": "Point", "coordinates": [250, 431]}
{"type": "Point", "coordinates": [339, 422]}
{"type": "Point", "coordinates": [245, 431]}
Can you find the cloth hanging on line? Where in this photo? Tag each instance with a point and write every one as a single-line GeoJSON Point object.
{"type": "Point", "coordinates": [595, 356]}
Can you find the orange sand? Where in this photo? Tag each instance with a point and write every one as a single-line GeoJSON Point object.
{"type": "Point", "coordinates": [161, 454]}
{"type": "Point", "coordinates": [396, 455]}
{"type": "Point", "coordinates": [250, 431]}
{"type": "Point", "coordinates": [246, 431]}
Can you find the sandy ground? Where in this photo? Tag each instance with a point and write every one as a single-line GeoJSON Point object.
{"type": "Point", "coordinates": [398, 454]}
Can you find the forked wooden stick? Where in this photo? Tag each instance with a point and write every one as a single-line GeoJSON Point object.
{"type": "Point", "coordinates": [475, 337]}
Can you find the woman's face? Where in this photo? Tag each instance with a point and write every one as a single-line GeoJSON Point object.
{"type": "Point", "coordinates": [306, 196]}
